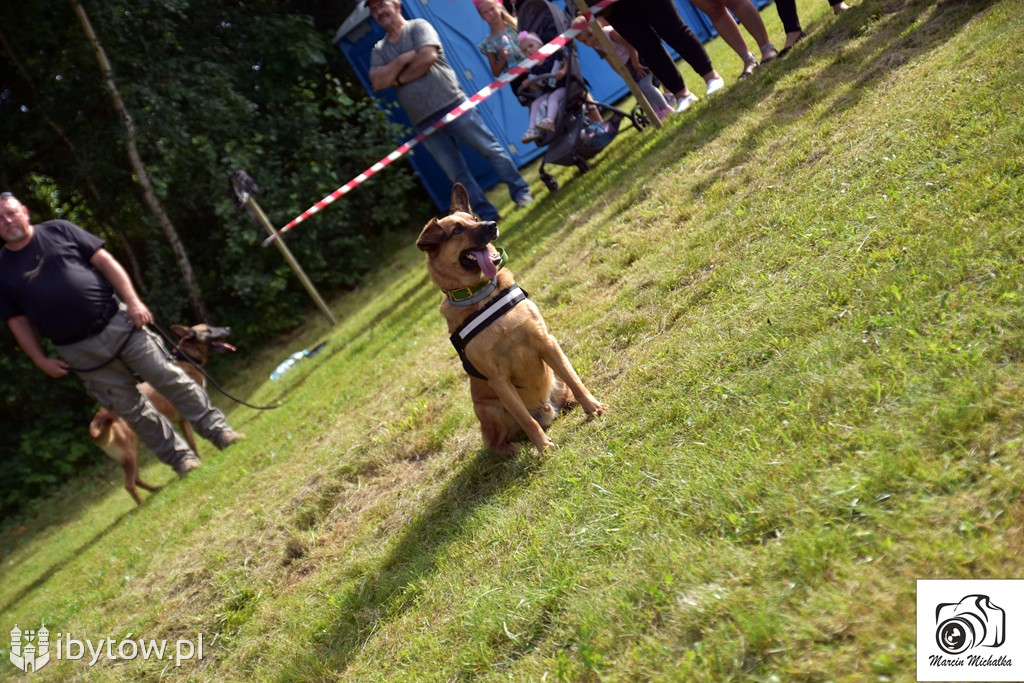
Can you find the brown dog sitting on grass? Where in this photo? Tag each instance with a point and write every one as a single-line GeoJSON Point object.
{"type": "Point", "coordinates": [519, 377]}
{"type": "Point", "coordinates": [112, 434]}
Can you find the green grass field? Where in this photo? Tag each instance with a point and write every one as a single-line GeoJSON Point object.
{"type": "Point", "coordinates": [803, 302]}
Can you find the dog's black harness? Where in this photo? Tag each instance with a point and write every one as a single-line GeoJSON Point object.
{"type": "Point", "coordinates": [478, 322]}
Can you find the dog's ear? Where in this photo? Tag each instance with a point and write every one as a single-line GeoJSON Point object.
{"type": "Point", "coordinates": [460, 199]}
{"type": "Point", "coordinates": [181, 331]}
{"type": "Point", "coordinates": [433, 236]}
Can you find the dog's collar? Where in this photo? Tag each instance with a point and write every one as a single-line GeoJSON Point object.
{"type": "Point", "coordinates": [467, 296]}
{"type": "Point", "coordinates": [178, 354]}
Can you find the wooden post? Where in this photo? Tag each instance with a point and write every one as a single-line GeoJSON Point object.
{"type": "Point", "coordinates": [245, 199]}
{"type": "Point", "coordinates": [620, 68]}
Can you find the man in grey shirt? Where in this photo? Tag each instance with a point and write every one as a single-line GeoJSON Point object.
{"type": "Point", "coordinates": [410, 58]}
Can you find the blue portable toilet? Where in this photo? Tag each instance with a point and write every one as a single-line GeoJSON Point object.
{"type": "Point", "coordinates": [461, 29]}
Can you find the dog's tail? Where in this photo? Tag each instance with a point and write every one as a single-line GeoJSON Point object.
{"type": "Point", "coordinates": [562, 399]}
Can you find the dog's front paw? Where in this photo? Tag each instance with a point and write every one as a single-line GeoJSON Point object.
{"type": "Point", "coordinates": [595, 410]}
{"type": "Point", "coordinates": [547, 445]}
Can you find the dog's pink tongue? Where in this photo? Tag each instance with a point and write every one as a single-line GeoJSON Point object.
{"type": "Point", "coordinates": [483, 259]}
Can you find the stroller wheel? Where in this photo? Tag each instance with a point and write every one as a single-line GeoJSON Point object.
{"type": "Point", "coordinates": [549, 181]}
{"type": "Point", "coordinates": [640, 118]}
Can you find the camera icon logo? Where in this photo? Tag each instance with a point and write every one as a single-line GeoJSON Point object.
{"type": "Point", "coordinates": [972, 622]}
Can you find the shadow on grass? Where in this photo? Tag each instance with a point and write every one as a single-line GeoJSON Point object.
{"type": "Point", "coordinates": [385, 593]}
{"type": "Point", "coordinates": [69, 555]}
{"type": "Point", "coordinates": [898, 42]}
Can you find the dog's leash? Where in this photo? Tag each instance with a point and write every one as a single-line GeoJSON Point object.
{"type": "Point", "coordinates": [205, 374]}
{"type": "Point", "coordinates": [117, 354]}
{"type": "Point", "coordinates": [110, 360]}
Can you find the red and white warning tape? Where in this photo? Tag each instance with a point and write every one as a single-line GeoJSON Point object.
{"type": "Point", "coordinates": [557, 43]}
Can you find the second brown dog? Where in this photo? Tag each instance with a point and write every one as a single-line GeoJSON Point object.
{"type": "Point", "coordinates": [519, 377]}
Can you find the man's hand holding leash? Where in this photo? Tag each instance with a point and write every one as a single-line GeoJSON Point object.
{"type": "Point", "coordinates": [139, 315]}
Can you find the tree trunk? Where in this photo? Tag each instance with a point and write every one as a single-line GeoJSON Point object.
{"type": "Point", "coordinates": [142, 177]}
{"type": "Point", "coordinates": [133, 261]}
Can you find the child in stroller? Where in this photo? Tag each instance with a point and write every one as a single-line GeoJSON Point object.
{"type": "Point", "coordinates": [543, 90]}
{"type": "Point", "coordinates": [580, 129]}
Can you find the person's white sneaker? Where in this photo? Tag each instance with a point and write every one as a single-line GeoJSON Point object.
{"type": "Point", "coordinates": [684, 103]}
{"type": "Point", "coordinates": [715, 84]}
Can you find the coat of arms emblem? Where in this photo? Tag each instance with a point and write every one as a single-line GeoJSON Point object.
{"type": "Point", "coordinates": [30, 650]}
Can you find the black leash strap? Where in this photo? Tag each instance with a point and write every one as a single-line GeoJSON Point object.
{"type": "Point", "coordinates": [205, 374]}
{"type": "Point", "coordinates": [110, 360]}
{"type": "Point", "coordinates": [181, 354]}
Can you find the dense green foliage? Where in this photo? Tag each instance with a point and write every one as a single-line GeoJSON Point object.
{"type": "Point", "coordinates": [212, 87]}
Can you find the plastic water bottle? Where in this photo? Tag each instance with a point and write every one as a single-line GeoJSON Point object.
{"type": "Point", "coordinates": [507, 44]}
{"type": "Point", "coordinates": [288, 364]}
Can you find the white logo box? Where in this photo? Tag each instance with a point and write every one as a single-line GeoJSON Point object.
{"type": "Point", "coordinates": [970, 630]}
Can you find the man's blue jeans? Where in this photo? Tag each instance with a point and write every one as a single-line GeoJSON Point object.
{"type": "Point", "coordinates": [470, 130]}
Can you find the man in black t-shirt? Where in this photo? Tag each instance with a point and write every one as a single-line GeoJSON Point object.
{"type": "Point", "coordinates": [57, 281]}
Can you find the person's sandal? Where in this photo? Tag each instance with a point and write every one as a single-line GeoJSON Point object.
{"type": "Point", "coordinates": [749, 64]}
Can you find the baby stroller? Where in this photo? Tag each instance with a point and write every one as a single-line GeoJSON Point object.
{"type": "Point", "coordinates": [575, 137]}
